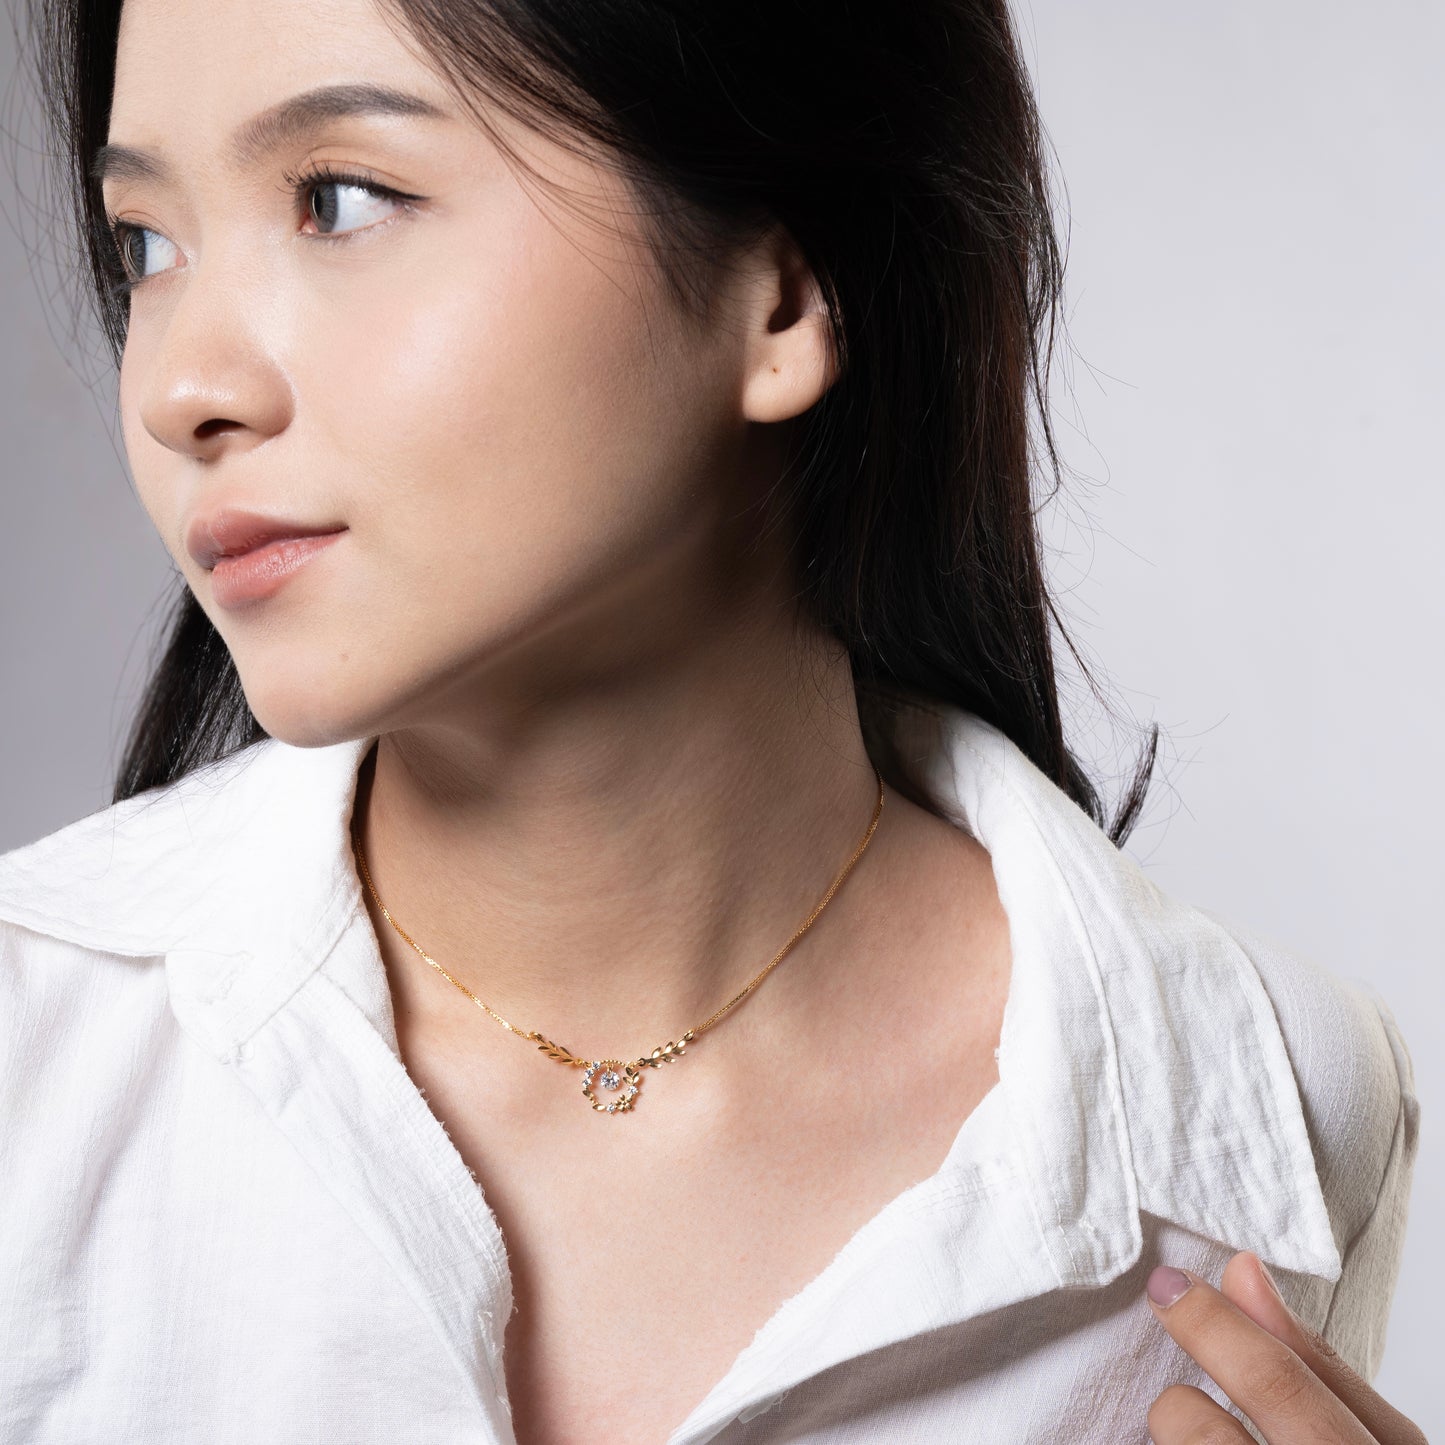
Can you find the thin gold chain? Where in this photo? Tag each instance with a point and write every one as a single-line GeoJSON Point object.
{"type": "Point", "coordinates": [666, 1052]}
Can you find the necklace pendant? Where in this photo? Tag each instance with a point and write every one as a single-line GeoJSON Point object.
{"type": "Point", "coordinates": [612, 1075]}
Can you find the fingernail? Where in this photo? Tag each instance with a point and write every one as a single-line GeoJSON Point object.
{"type": "Point", "coordinates": [1269, 1280]}
{"type": "Point", "coordinates": [1166, 1285]}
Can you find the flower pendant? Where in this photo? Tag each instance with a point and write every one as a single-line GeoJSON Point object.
{"type": "Point", "coordinates": [612, 1074]}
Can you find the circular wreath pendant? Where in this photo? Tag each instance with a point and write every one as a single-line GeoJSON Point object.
{"type": "Point", "coordinates": [612, 1075]}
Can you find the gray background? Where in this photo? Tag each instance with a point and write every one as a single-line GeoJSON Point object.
{"type": "Point", "coordinates": [1248, 546]}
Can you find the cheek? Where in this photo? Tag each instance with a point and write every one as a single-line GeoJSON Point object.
{"type": "Point", "coordinates": [509, 406]}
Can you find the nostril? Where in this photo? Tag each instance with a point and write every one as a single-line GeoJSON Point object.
{"type": "Point", "coordinates": [215, 427]}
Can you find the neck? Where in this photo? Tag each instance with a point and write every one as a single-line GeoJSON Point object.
{"type": "Point", "coordinates": [611, 867]}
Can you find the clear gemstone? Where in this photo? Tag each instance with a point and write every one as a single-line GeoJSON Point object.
{"type": "Point", "coordinates": [611, 1108]}
{"type": "Point", "coordinates": [611, 1080]}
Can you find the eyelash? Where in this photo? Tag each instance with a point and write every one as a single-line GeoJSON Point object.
{"type": "Point", "coordinates": [298, 183]}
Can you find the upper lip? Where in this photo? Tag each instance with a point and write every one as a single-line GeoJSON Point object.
{"type": "Point", "coordinates": [232, 531]}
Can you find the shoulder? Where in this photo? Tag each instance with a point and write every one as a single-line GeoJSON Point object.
{"type": "Point", "coordinates": [62, 1001]}
{"type": "Point", "coordinates": [66, 961]}
{"type": "Point", "coordinates": [1353, 1071]}
{"type": "Point", "coordinates": [1356, 1083]}
{"type": "Point", "coordinates": [88, 914]}
{"type": "Point", "coordinates": [131, 877]}
{"type": "Point", "coordinates": [238, 871]}
{"type": "Point", "coordinates": [1265, 1098]}
{"type": "Point", "coordinates": [78, 1027]}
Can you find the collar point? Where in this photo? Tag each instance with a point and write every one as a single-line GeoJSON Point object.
{"type": "Point", "coordinates": [1316, 1255]}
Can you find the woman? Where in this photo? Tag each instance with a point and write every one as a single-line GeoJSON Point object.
{"type": "Point", "coordinates": [595, 442]}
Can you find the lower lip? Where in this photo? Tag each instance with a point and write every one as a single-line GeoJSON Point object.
{"type": "Point", "coordinates": [261, 573]}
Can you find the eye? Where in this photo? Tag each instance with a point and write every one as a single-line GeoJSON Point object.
{"type": "Point", "coordinates": [142, 252]}
{"type": "Point", "coordinates": [339, 203]}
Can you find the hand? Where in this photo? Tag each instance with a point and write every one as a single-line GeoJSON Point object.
{"type": "Point", "coordinates": [1281, 1374]}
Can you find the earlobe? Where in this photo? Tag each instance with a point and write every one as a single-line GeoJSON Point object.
{"type": "Point", "coordinates": [790, 354]}
{"type": "Point", "coordinates": [792, 374]}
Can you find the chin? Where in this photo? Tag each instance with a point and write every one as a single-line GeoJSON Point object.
{"type": "Point", "coordinates": [304, 731]}
{"type": "Point", "coordinates": [307, 712]}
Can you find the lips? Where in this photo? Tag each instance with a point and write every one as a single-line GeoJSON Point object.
{"type": "Point", "coordinates": [232, 532]}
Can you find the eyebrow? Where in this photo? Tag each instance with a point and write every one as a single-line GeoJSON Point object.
{"type": "Point", "coordinates": [275, 127]}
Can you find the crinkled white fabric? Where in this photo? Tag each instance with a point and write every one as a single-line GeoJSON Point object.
{"type": "Point", "coordinates": [227, 1214]}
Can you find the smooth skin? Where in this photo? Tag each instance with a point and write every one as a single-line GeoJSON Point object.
{"type": "Point", "coordinates": [1283, 1375]}
{"type": "Point", "coordinates": [615, 766]}
{"type": "Point", "coordinates": [616, 769]}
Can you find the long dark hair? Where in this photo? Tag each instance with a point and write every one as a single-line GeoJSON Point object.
{"type": "Point", "coordinates": [900, 147]}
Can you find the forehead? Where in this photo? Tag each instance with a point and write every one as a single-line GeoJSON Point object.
{"type": "Point", "coordinates": [187, 71]}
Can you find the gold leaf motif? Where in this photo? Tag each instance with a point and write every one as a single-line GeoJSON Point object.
{"type": "Point", "coordinates": [666, 1053]}
{"type": "Point", "coordinates": [556, 1051]}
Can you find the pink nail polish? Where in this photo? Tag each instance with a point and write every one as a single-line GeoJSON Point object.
{"type": "Point", "coordinates": [1165, 1285]}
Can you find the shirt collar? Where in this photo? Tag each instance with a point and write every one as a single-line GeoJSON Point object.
{"type": "Point", "coordinates": [1140, 1060]}
{"type": "Point", "coordinates": [1136, 1022]}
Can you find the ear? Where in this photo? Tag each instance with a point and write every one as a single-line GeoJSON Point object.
{"type": "Point", "coordinates": [788, 360]}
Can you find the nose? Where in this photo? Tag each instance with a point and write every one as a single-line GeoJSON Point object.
{"type": "Point", "coordinates": [212, 383]}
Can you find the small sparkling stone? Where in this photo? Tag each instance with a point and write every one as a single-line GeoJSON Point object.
{"type": "Point", "coordinates": [611, 1108]}
{"type": "Point", "coordinates": [611, 1080]}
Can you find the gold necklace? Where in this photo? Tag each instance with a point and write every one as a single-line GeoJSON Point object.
{"type": "Point", "coordinates": [613, 1074]}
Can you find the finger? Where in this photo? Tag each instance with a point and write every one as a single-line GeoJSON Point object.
{"type": "Point", "coordinates": [1183, 1415]}
{"type": "Point", "coordinates": [1248, 1285]}
{"type": "Point", "coordinates": [1261, 1374]}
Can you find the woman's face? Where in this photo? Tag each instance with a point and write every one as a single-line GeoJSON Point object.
{"type": "Point", "coordinates": [531, 455]}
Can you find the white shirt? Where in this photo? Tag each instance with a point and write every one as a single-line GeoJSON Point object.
{"type": "Point", "coordinates": [228, 1215]}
